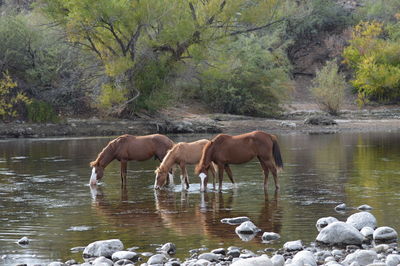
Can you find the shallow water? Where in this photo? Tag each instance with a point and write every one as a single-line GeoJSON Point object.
{"type": "Point", "coordinates": [44, 195]}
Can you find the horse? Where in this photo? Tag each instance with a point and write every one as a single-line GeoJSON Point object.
{"type": "Point", "coordinates": [127, 148]}
{"type": "Point", "coordinates": [225, 149]}
{"type": "Point", "coordinates": [182, 153]}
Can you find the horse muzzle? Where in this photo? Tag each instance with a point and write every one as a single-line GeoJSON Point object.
{"type": "Point", "coordinates": [203, 177]}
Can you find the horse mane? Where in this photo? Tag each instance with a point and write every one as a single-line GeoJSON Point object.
{"type": "Point", "coordinates": [206, 150]}
{"type": "Point", "coordinates": [110, 145]}
{"type": "Point", "coordinates": [163, 165]}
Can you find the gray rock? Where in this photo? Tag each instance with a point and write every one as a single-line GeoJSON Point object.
{"type": "Point", "coordinates": [103, 248]}
{"type": "Point", "coordinates": [233, 252]}
{"type": "Point", "coordinates": [247, 228]}
{"type": "Point", "coordinates": [57, 263]}
{"type": "Point", "coordinates": [367, 232]}
{"type": "Point", "coordinates": [340, 233]}
{"type": "Point", "coordinates": [381, 248]}
{"type": "Point", "coordinates": [123, 262]}
{"type": "Point", "coordinates": [235, 220]}
{"type": "Point", "coordinates": [293, 245]}
{"type": "Point", "coordinates": [320, 120]}
{"type": "Point", "coordinates": [341, 207]}
{"type": "Point", "coordinates": [304, 257]}
{"type": "Point", "coordinates": [209, 256]}
{"type": "Point", "coordinates": [385, 234]}
{"type": "Point", "coordinates": [127, 255]}
{"type": "Point", "coordinates": [364, 207]}
{"type": "Point", "coordinates": [23, 241]}
{"type": "Point", "coordinates": [270, 236]}
{"type": "Point", "coordinates": [221, 251]}
{"type": "Point", "coordinates": [361, 257]}
{"type": "Point", "coordinates": [362, 219]}
{"type": "Point", "coordinates": [157, 259]}
{"type": "Point", "coordinates": [323, 222]}
{"type": "Point", "coordinates": [169, 248]}
{"type": "Point", "coordinates": [201, 262]}
{"type": "Point", "coordinates": [278, 260]}
{"type": "Point", "coordinates": [257, 261]}
{"type": "Point", "coordinates": [393, 260]}
{"type": "Point", "coordinates": [102, 261]}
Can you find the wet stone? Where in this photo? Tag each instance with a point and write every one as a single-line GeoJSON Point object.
{"type": "Point", "coordinates": [23, 241]}
{"type": "Point", "coordinates": [341, 207]}
{"type": "Point", "coordinates": [270, 236]}
{"type": "Point", "coordinates": [293, 245]}
{"type": "Point", "coordinates": [128, 255]}
{"type": "Point", "coordinates": [235, 253]}
{"type": "Point", "coordinates": [221, 251]}
{"type": "Point", "coordinates": [169, 248]}
{"type": "Point", "coordinates": [235, 220]}
{"type": "Point", "coordinates": [157, 259]}
{"type": "Point", "coordinates": [364, 207]}
{"type": "Point", "coordinates": [209, 256]}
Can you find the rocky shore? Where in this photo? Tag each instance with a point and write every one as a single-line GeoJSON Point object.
{"type": "Point", "coordinates": [357, 241]}
{"type": "Point", "coordinates": [302, 121]}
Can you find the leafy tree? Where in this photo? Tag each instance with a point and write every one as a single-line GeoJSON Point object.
{"type": "Point", "coordinates": [128, 36]}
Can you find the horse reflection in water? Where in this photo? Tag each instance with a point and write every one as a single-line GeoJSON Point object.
{"type": "Point", "coordinates": [182, 154]}
{"type": "Point", "coordinates": [129, 148]}
{"type": "Point", "coordinates": [225, 149]}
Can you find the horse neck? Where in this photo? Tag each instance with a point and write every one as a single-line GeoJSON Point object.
{"type": "Point", "coordinates": [168, 160]}
{"type": "Point", "coordinates": [106, 156]}
{"type": "Point", "coordinates": [205, 160]}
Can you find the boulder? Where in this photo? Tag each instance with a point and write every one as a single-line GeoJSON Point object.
{"type": "Point", "coordinates": [246, 237]}
{"type": "Point", "coordinates": [341, 207]}
{"type": "Point", "coordinates": [293, 245]}
{"type": "Point", "coordinates": [304, 257]}
{"type": "Point", "coordinates": [157, 259]}
{"type": "Point", "coordinates": [278, 260]}
{"type": "Point", "coordinates": [385, 234]}
{"type": "Point", "coordinates": [393, 260]}
{"type": "Point", "coordinates": [362, 219]}
{"type": "Point", "coordinates": [169, 248]}
{"type": "Point", "coordinates": [102, 261]}
{"type": "Point", "coordinates": [56, 263]}
{"type": "Point", "coordinates": [247, 228]}
{"type": "Point", "coordinates": [257, 261]}
{"type": "Point", "coordinates": [103, 248]}
{"type": "Point", "coordinates": [270, 236]}
{"type": "Point", "coordinates": [323, 222]}
{"type": "Point", "coordinates": [340, 233]}
{"type": "Point", "coordinates": [23, 241]}
{"type": "Point", "coordinates": [367, 232]}
{"type": "Point", "coordinates": [125, 255]}
{"type": "Point", "coordinates": [235, 220]}
{"type": "Point", "coordinates": [209, 256]}
{"type": "Point", "coordinates": [361, 257]}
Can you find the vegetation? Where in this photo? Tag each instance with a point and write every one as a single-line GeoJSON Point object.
{"type": "Point", "coordinates": [328, 88]}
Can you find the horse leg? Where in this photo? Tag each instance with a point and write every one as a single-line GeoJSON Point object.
{"type": "Point", "coordinates": [266, 172]}
{"type": "Point", "coordinates": [230, 175]}
{"type": "Point", "coordinates": [274, 171]}
{"type": "Point", "coordinates": [220, 176]}
{"type": "Point", "coordinates": [123, 172]}
{"type": "Point", "coordinates": [213, 173]}
{"type": "Point", "coordinates": [184, 176]}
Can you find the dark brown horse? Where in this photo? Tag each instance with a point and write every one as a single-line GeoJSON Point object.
{"type": "Point", "coordinates": [128, 148]}
{"type": "Point", "coordinates": [224, 150]}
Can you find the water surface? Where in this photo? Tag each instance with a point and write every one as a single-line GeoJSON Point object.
{"type": "Point", "coordinates": [44, 195]}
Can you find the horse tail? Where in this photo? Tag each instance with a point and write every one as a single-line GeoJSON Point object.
{"type": "Point", "coordinates": [276, 152]}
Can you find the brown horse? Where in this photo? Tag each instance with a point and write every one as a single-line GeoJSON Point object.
{"type": "Point", "coordinates": [127, 148]}
{"type": "Point", "coordinates": [224, 150]}
{"type": "Point", "coordinates": [181, 154]}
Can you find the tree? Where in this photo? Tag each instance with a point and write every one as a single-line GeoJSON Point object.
{"type": "Point", "coordinates": [126, 35]}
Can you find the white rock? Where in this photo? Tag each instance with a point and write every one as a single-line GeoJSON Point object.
{"type": "Point", "coordinates": [23, 241]}
{"type": "Point", "coordinates": [157, 259]}
{"type": "Point", "coordinates": [361, 257]}
{"type": "Point", "coordinates": [247, 228]}
{"type": "Point", "coordinates": [362, 219]}
{"type": "Point", "coordinates": [102, 261]}
{"type": "Point", "coordinates": [202, 262]}
{"type": "Point", "coordinates": [367, 232]}
{"type": "Point", "coordinates": [341, 207]}
{"type": "Point", "coordinates": [392, 259]}
{"type": "Point", "coordinates": [103, 248]}
{"type": "Point", "coordinates": [257, 261]}
{"type": "Point", "coordinates": [381, 248]}
{"type": "Point", "coordinates": [364, 207]}
{"type": "Point", "coordinates": [324, 221]}
{"type": "Point", "coordinates": [56, 263]}
{"type": "Point", "coordinates": [278, 260]}
{"type": "Point", "coordinates": [293, 245]}
{"type": "Point", "coordinates": [269, 236]}
{"type": "Point", "coordinates": [304, 257]}
{"type": "Point", "coordinates": [121, 255]}
{"type": "Point", "coordinates": [340, 233]}
{"type": "Point", "coordinates": [385, 234]}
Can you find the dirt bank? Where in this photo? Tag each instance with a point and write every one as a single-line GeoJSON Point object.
{"type": "Point", "coordinates": [182, 121]}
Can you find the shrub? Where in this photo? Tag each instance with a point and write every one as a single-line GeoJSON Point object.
{"type": "Point", "coordinates": [40, 112]}
{"type": "Point", "coordinates": [328, 88]}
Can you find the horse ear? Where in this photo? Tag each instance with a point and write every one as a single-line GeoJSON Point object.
{"type": "Point", "coordinates": [92, 164]}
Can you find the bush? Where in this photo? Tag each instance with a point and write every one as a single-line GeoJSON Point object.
{"type": "Point", "coordinates": [40, 112]}
{"type": "Point", "coordinates": [328, 88]}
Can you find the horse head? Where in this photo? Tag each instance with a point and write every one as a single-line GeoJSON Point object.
{"type": "Point", "coordinates": [97, 173]}
{"type": "Point", "coordinates": [161, 178]}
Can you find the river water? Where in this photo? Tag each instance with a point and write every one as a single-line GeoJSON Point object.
{"type": "Point", "coordinates": [44, 195]}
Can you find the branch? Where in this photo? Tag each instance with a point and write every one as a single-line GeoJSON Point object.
{"type": "Point", "coordinates": [253, 29]}
{"type": "Point", "coordinates": [193, 11]}
{"type": "Point", "coordinates": [112, 30]}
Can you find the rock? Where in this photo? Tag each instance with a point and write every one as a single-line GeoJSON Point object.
{"type": "Point", "coordinates": [340, 233]}
{"type": "Point", "coordinates": [288, 124]}
{"type": "Point", "coordinates": [257, 261]}
{"type": "Point", "coordinates": [293, 245]}
{"type": "Point", "coordinates": [103, 248]}
{"type": "Point", "coordinates": [385, 234]}
{"type": "Point", "coordinates": [364, 207]}
{"type": "Point", "coordinates": [201, 262]}
{"type": "Point", "coordinates": [147, 254]}
{"type": "Point", "coordinates": [23, 241]}
{"type": "Point", "coordinates": [77, 249]}
{"type": "Point", "coordinates": [393, 260]}
{"type": "Point", "coordinates": [221, 251]}
{"type": "Point", "coordinates": [341, 207]}
{"type": "Point", "coordinates": [367, 232]}
{"type": "Point", "coordinates": [278, 260]}
{"type": "Point", "coordinates": [323, 222]}
{"type": "Point", "coordinates": [127, 255]}
{"type": "Point", "coordinates": [235, 220]}
{"type": "Point", "coordinates": [209, 256]}
{"type": "Point", "coordinates": [322, 255]}
{"type": "Point", "coordinates": [362, 219]}
{"type": "Point", "coordinates": [102, 261]}
{"type": "Point", "coordinates": [123, 262]}
{"type": "Point", "coordinates": [157, 259]}
{"type": "Point", "coordinates": [234, 252]}
{"type": "Point", "coordinates": [381, 248]}
{"type": "Point", "coordinates": [71, 262]}
{"type": "Point", "coordinates": [57, 263]}
{"type": "Point", "coordinates": [361, 257]}
{"type": "Point", "coordinates": [270, 236]}
{"type": "Point", "coordinates": [304, 257]}
{"type": "Point", "coordinates": [247, 228]}
{"type": "Point", "coordinates": [169, 248]}
{"type": "Point", "coordinates": [320, 120]}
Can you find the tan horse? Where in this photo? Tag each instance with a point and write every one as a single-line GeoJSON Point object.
{"type": "Point", "coordinates": [182, 153]}
{"type": "Point", "coordinates": [224, 150]}
{"type": "Point", "coordinates": [128, 148]}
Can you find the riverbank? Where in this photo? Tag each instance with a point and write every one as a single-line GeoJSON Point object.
{"type": "Point", "coordinates": [181, 121]}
